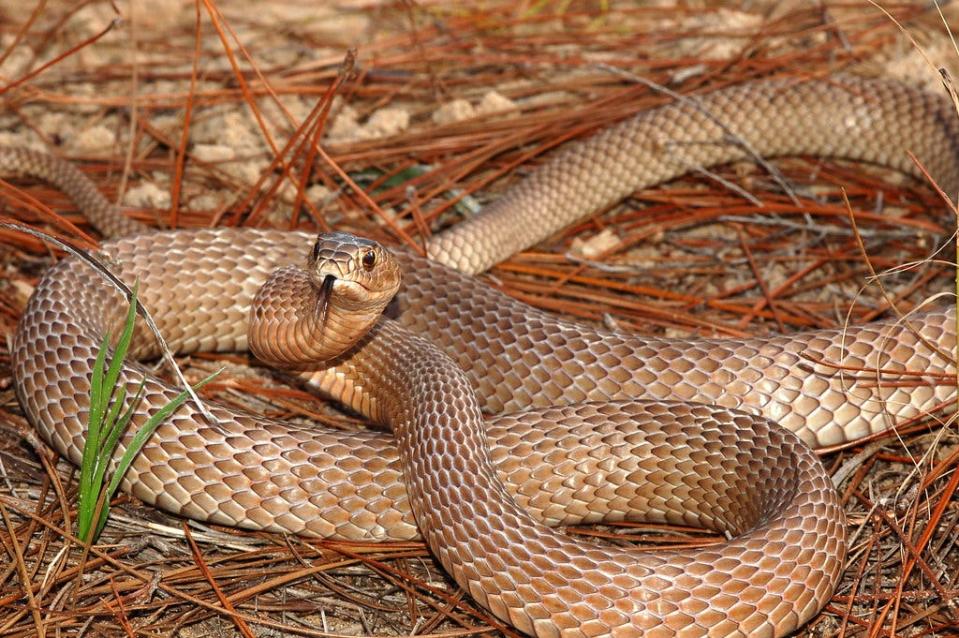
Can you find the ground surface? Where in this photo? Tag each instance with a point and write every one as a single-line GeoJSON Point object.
{"type": "Point", "coordinates": [437, 110]}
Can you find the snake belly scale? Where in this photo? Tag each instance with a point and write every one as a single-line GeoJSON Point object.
{"type": "Point", "coordinates": [259, 473]}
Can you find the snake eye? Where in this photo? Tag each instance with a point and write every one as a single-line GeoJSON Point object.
{"type": "Point", "coordinates": [316, 250]}
{"type": "Point", "coordinates": [369, 260]}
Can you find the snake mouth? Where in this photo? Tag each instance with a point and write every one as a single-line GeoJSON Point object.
{"type": "Point", "coordinates": [323, 299]}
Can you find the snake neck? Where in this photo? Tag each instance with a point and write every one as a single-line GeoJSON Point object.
{"type": "Point", "coordinates": [296, 325]}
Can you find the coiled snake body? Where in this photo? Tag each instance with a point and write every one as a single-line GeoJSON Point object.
{"type": "Point", "coordinates": [621, 446]}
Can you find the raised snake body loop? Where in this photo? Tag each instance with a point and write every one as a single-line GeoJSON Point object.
{"type": "Point", "coordinates": [735, 473]}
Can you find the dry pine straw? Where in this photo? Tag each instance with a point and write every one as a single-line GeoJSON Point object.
{"type": "Point", "coordinates": [724, 253]}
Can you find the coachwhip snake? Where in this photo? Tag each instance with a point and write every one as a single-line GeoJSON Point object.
{"type": "Point", "coordinates": [614, 451]}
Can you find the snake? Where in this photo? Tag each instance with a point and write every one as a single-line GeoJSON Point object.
{"type": "Point", "coordinates": [529, 421]}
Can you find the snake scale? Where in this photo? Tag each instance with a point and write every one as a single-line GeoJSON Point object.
{"type": "Point", "coordinates": [584, 424]}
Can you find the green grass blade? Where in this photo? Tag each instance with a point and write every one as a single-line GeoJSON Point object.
{"type": "Point", "coordinates": [120, 426]}
{"type": "Point", "coordinates": [94, 426]}
{"type": "Point", "coordinates": [109, 437]}
{"type": "Point", "coordinates": [96, 381]}
{"type": "Point", "coordinates": [123, 344]}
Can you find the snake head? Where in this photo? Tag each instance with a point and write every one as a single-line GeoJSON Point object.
{"type": "Point", "coordinates": [302, 317]}
{"type": "Point", "coordinates": [353, 274]}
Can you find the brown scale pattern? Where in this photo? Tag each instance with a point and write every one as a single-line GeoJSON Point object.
{"type": "Point", "coordinates": [518, 357]}
{"type": "Point", "coordinates": [257, 473]}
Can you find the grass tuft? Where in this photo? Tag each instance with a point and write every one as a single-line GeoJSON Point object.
{"type": "Point", "coordinates": [107, 422]}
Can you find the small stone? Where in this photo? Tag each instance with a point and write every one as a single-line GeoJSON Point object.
{"type": "Point", "coordinates": [596, 245]}
{"type": "Point", "coordinates": [455, 111]}
{"type": "Point", "coordinates": [147, 195]}
{"type": "Point", "coordinates": [388, 121]}
{"type": "Point", "coordinates": [495, 102]}
{"type": "Point", "coordinates": [213, 153]}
